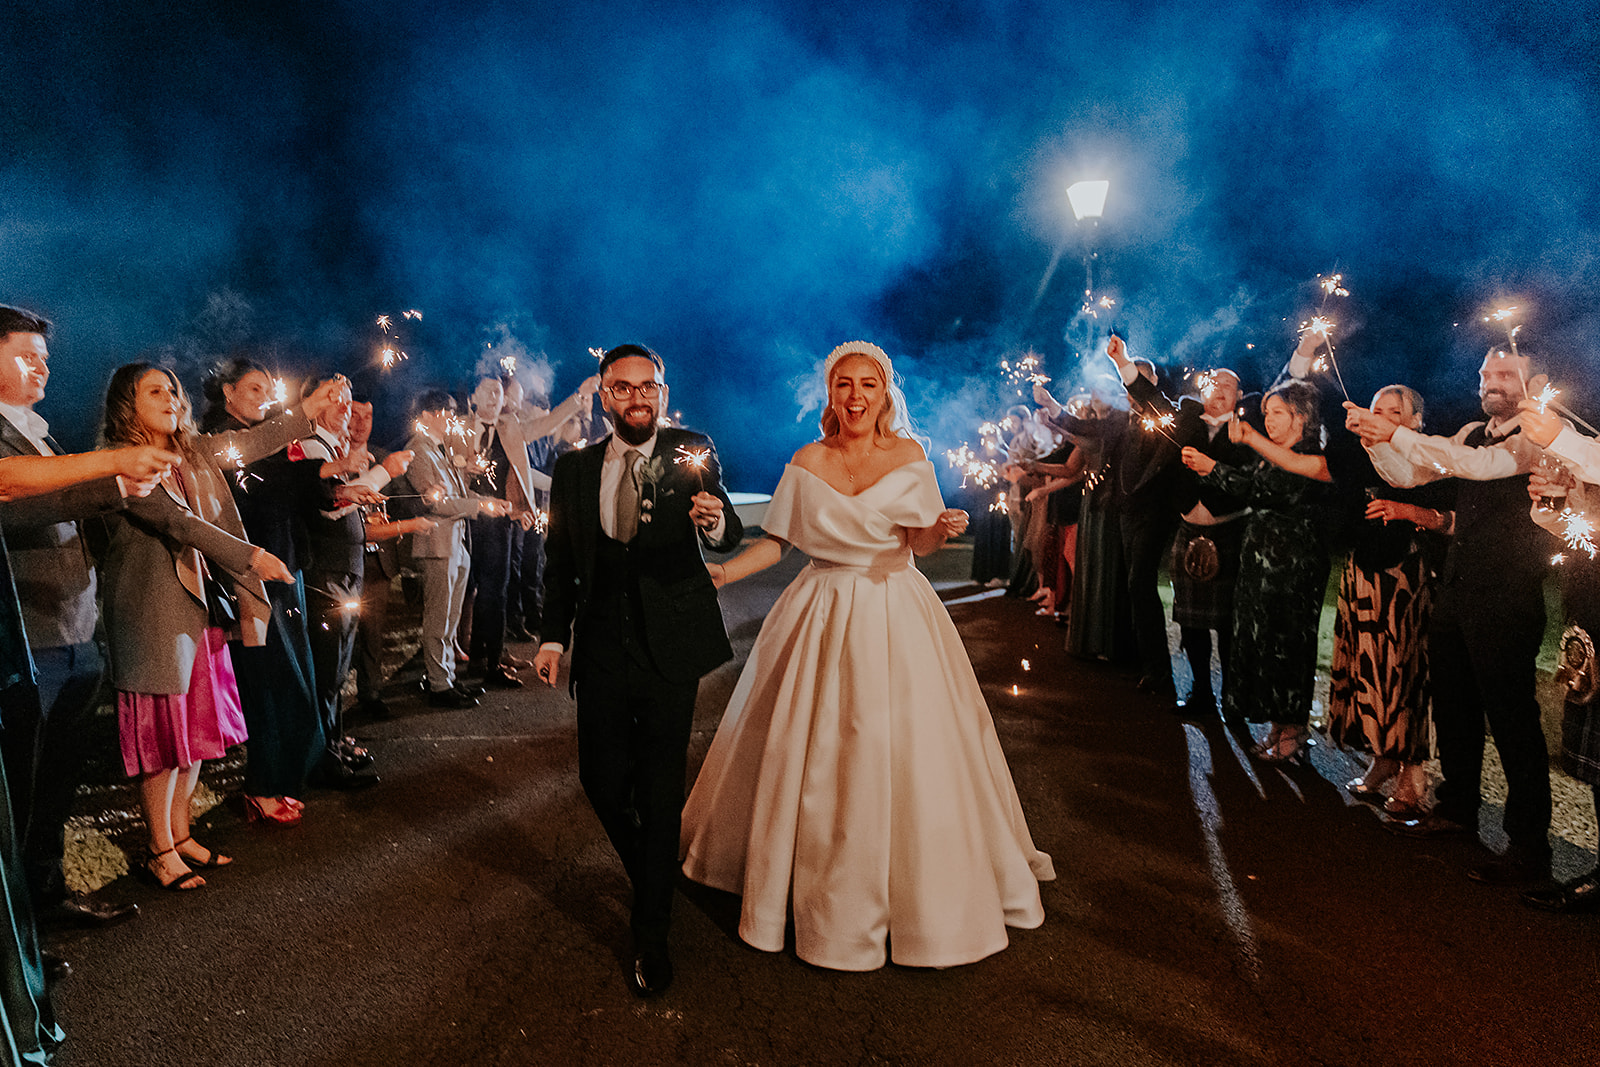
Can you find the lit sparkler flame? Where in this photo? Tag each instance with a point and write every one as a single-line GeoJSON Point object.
{"type": "Point", "coordinates": [411, 314]}
{"type": "Point", "coordinates": [351, 606]}
{"type": "Point", "coordinates": [388, 357]}
{"type": "Point", "coordinates": [384, 322]}
{"type": "Point", "coordinates": [1501, 314]}
{"type": "Point", "coordinates": [999, 502]}
{"type": "Point", "coordinates": [280, 392]}
{"type": "Point", "coordinates": [1546, 397]}
{"type": "Point", "coordinates": [695, 459]}
{"type": "Point", "coordinates": [1106, 302]}
{"type": "Point", "coordinates": [541, 521]}
{"type": "Point", "coordinates": [597, 353]}
{"type": "Point", "coordinates": [508, 364]}
{"type": "Point", "coordinates": [1578, 532]}
{"type": "Point", "coordinates": [984, 473]}
{"type": "Point", "coordinates": [1332, 285]}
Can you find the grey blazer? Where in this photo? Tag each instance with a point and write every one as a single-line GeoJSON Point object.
{"type": "Point", "coordinates": [155, 605]}
{"type": "Point", "coordinates": [49, 560]}
{"type": "Point", "coordinates": [432, 472]}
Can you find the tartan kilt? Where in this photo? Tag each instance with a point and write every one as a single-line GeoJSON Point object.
{"type": "Point", "coordinates": [1580, 741]}
{"type": "Point", "coordinates": [1206, 605]}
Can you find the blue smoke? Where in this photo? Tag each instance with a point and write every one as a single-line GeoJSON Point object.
{"type": "Point", "coordinates": [744, 185]}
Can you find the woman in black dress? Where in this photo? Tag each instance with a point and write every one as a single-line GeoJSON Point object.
{"type": "Point", "coordinates": [1283, 568]}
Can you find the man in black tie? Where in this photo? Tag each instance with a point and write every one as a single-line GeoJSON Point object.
{"type": "Point", "coordinates": [1488, 615]}
{"type": "Point", "coordinates": [43, 726]}
{"type": "Point", "coordinates": [625, 578]}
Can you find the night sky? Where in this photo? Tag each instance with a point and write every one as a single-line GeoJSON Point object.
{"type": "Point", "coordinates": [744, 185]}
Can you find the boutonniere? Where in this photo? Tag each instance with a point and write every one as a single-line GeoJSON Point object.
{"type": "Point", "coordinates": [652, 473]}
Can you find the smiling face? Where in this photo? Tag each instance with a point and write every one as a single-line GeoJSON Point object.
{"type": "Point", "coordinates": [1391, 404]}
{"type": "Point", "coordinates": [156, 406]}
{"type": "Point", "coordinates": [1284, 425]}
{"type": "Point", "coordinates": [24, 368]}
{"type": "Point", "coordinates": [634, 416]}
{"type": "Point", "coordinates": [1502, 383]}
{"type": "Point", "coordinates": [247, 399]}
{"type": "Point", "coordinates": [856, 393]}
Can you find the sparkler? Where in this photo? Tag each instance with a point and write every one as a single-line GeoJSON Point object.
{"type": "Point", "coordinates": [384, 322]}
{"type": "Point", "coordinates": [597, 353]}
{"type": "Point", "coordinates": [981, 471]}
{"type": "Point", "coordinates": [1578, 532]}
{"type": "Point", "coordinates": [999, 502]}
{"type": "Point", "coordinates": [412, 314]}
{"type": "Point", "coordinates": [1323, 326]}
{"type": "Point", "coordinates": [695, 459]}
{"type": "Point", "coordinates": [508, 364]}
{"type": "Point", "coordinates": [1161, 424]}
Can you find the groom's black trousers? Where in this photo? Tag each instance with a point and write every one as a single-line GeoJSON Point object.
{"type": "Point", "coordinates": [633, 739]}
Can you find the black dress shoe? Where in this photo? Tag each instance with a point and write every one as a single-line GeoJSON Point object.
{"type": "Point", "coordinates": [55, 968]}
{"type": "Point", "coordinates": [1514, 868]}
{"type": "Point", "coordinates": [79, 910]}
{"type": "Point", "coordinates": [1573, 898]}
{"type": "Point", "coordinates": [451, 698]}
{"type": "Point", "coordinates": [352, 755]}
{"type": "Point", "coordinates": [330, 773]}
{"type": "Point", "coordinates": [651, 974]}
{"type": "Point", "coordinates": [1430, 825]}
{"type": "Point", "coordinates": [501, 680]}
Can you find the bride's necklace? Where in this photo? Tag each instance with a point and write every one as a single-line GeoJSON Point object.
{"type": "Point", "coordinates": [845, 462]}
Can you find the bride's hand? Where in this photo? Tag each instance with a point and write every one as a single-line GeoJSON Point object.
{"type": "Point", "coordinates": [952, 522]}
{"type": "Point", "coordinates": [719, 577]}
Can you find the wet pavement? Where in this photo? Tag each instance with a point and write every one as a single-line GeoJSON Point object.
{"type": "Point", "coordinates": [1207, 910]}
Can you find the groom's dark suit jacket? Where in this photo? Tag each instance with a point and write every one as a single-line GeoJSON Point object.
{"type": "Point", "coordinates": [652, 596]}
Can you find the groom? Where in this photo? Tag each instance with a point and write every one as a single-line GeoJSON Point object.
{"type": "Point", "coordinates": [624, 577]}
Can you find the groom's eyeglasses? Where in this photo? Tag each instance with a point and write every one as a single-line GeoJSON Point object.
{"type": "Point", "coordinates": [625, 390]}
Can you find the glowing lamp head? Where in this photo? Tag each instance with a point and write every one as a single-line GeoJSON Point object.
{"type": "Point", "coordinates": [1088, 198]}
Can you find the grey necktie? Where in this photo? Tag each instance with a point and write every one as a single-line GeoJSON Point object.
{"type": "Point", "coordinates": [628, 496]}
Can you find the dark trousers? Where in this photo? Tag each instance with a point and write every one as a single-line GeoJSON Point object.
{"type": "Point", "coordinates": [1146, 541]}
{"type": "Point", "coordinates": [532, 578]}
{"type": "Point", "coordinates": [42, 739]}
{"type": "Point", "coordinates": [633, 736]}
{"type": "Point", "coordinates": [1481, 666]}
{"type": "Point", "coordinates": [369, 630]}
{"type": "Point", "coordinates": [515, 609]}
{"type": "Point", "coordinates": [491, 568]}
{"type": "Point", "coordinates": [332, 632]}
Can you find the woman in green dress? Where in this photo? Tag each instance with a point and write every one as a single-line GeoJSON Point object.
{"type": "Point", "coordinates": [1283, 568]}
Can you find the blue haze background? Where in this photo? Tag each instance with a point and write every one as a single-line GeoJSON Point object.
{"type": "Point", "coordinates": [744, 185]}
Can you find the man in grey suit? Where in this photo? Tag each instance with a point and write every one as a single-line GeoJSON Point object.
{"type": "Point", "coordinates": [43, 726]}
{"type": "Point", "coordinates": [441, 553]}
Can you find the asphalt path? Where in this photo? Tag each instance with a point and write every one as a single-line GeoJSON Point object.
{"type": "Point", "coordinates": [468, 910]}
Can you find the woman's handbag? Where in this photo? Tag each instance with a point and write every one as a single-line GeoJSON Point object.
{"type": "Point", "coordinates": [221, 604]}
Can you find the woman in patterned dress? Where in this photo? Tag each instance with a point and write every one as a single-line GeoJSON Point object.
{"type": "Point", "coordinates": [1283, 568]}
{"type": "Point", "coordinates": [1378, 697]}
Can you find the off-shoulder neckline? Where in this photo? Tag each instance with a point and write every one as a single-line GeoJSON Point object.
{"type": "Point", "coordinates": [891, 472]}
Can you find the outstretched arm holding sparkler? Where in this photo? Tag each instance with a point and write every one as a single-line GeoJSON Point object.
{"type": "Point", "coordinates": [1307, 465]}
{"type": "Point", "coordinates": [1574, 523]}
{"type": "Point", "coordinates": [1558, 437]}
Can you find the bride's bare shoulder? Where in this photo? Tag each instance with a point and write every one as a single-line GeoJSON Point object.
{"type": "Point", "coordinates": [906, 450]}
{"type": "Point", "coordinates": [810, 456]}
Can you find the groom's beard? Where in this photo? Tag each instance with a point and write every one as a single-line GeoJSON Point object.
{"type": "Point", "coordinates": [634, 433]}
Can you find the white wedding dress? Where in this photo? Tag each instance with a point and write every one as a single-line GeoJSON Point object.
{"type": "Point", "coordinates": [856, 773]}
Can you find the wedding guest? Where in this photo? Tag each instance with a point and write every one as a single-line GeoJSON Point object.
{"type": "Point", "coordinates": [1378, 696]}
{"type": "Point", "coordinates": [174, 556]}
{"type": "Point", "coordinates": [277, 688]}
{"type": "Point", "coordinates": [27, 1018]}
{"type": "Point", "coordinates": [1578, 674]}
{"type": "Point", "coordinates": [45, 723]}
{"type": "Point", "coordinates": [334, 571]}
{"type": "Point", "coordinates": [1283, 568]}
{"type": "Point", "coordinates": [441, 553]}
{"type": "Point", "coordinates": [1488, 617]}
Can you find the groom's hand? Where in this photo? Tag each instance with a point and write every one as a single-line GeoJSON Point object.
{"type": "Point", "coordinates": [706, 510]}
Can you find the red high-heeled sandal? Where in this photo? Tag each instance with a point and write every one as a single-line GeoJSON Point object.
{"type": "Point", "coordinates": [284, 816]}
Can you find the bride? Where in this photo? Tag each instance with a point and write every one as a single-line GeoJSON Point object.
{"type": "Point", "coordinates": [856, 773]}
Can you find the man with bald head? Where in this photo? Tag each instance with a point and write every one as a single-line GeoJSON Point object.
{"type": "Point", "coordinates": [1488, 615]}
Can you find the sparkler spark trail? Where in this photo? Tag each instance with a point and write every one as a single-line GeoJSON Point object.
{"type": "Point", "coordinates": [1323, 327]}
{"type": "Point", "coordinates": [695, 459]}
{"type": "Point", "coordinates": [1578, 532]}
{"type": "Point", "coordinates": [384, 322]}
{"type": "Point", "coordinates": [412, 314]}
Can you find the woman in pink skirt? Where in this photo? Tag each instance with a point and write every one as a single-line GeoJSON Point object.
{"type": "Point", "coordinates": [176, 557]}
